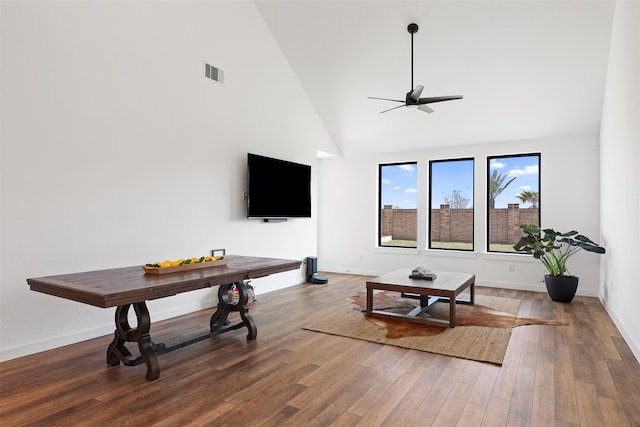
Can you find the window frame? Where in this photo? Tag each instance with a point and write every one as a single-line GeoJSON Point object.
{"type": "Point", "coordinates": [430, 202]}
{"type": "Point", "coordinates": [381, 207]}
{"type": "Point", "coordinates": [488, 208]}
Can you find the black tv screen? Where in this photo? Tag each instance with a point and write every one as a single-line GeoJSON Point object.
{"type": "Point", "coordinates": [277, 188]}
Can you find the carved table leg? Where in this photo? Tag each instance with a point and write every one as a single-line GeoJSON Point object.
{"type": "Point", "coordinates": [219, 323]}
{"type": "Point", "coordinates": [118, 352]}
{"type": "Point", "coordinates": [243, 308]}
{"type": "Point", "coordinates": [220, 319]}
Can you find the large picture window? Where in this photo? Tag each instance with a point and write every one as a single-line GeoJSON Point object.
{"type": "Point", "coordinates": [398, 207]}
{"type": "Point", "coordinates": [513, 198]}
{"type": "Point", "coordinates": [451, 204]}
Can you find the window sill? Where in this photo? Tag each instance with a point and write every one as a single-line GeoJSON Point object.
{"type": "Point", "coordinates": [448, 253]}
{"type": "Point", "coordinates": [502, 256]}
{"type": "Point", "coordinates": [428, 252]}
{"type": "Point", "coordinates": [396, 250]}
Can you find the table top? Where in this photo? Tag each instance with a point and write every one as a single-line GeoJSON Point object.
{"type": "Point", "coordinates": [128, 285]}
{"type": "Point", "coordinates": [446, 281]}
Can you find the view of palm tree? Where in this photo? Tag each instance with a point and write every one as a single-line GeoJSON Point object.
{"type": "Point", "coordinates": [497, 186]}
{"type": "Point", "coordinates": [512, 204]}
{"type": "Point", "coordinates": [529, 197]}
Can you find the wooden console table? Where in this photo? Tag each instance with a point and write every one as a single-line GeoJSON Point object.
{"type": "Point", "coordinates": [131, 287]}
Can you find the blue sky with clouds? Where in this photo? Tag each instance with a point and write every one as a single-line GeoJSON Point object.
{"type": "Point", "coordinates": [400, 182]}
{"type": "Point", "coordinates": [400, 185]}
{"type": "Point", "coordinates": [526, 171]}
{"type": "Point", "coordinates": [449, 176]}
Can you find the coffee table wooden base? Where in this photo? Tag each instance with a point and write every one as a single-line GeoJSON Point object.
{"type": "Point", "coordinates": [446, 287]}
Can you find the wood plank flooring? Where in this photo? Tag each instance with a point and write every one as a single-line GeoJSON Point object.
{"type": "Point", "coordinates": [583, 374]}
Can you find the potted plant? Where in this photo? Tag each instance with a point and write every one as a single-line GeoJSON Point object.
{"type": "Point", "coordinates": [554, 249]}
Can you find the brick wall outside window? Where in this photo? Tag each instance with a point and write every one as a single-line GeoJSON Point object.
{"type": "Point", "coordinates": [456, 225]}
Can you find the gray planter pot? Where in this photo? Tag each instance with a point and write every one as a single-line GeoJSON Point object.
{"type": "Point", "coordinates": [561, 289]}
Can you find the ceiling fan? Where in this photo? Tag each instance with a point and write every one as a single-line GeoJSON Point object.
{"type": "Point", "coordinates": [413, 96]}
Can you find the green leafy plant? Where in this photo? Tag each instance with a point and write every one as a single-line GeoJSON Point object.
{"type": "Point", "coordinates": [553, 248]}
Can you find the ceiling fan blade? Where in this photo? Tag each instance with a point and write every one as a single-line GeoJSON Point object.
{"type": "Point", "coordinates": [399, 106]}
{"type": "Point", "coordinates": [415, 95]}
{"type": "Point", "coordinates": [385, 99]}
{"type": "Point", "coordinates": [433, 99]}
{"type": "Point", "coordinates": [425, 108]}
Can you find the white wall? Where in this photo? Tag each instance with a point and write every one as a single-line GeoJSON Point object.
{"type": "Point", "coordinates": [620, 184]}
{"type": "Point", "coordinates": [116, 151]}
{"type": "Point", "coordinates": [569, 200]}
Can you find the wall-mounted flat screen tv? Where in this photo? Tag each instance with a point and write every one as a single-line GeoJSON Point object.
{"type": "Point", "coordinates": [277, 188]}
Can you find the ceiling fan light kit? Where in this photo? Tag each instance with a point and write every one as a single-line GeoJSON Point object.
{"type": "Point", "coordinates": [413, 96]}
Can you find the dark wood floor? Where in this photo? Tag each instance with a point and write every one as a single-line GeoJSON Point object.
{"type": "Point", "coordinates": [578, 375]}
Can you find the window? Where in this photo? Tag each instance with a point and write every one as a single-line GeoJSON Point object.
{"type": "Point", "coordinates": [513, 198]}
{"type": "Point", "coordinates": [398, 207]}
{"type": "Point", "coordinates": [451, 204]}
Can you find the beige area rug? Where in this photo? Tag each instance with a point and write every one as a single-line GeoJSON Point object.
{"type": "Point", "coordinates": [482, 332]}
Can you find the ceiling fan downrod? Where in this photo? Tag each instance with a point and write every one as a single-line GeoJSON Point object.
{"type": "Point", "coordinates": [412, 28]}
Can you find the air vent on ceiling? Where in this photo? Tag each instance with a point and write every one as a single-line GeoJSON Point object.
{"type": "Point", "coordinates": [213, 73]}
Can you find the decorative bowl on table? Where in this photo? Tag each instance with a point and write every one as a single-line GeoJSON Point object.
{"type": "Point", "coordinates": [184, 265]}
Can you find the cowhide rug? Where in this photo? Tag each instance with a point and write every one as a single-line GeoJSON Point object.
{"type": "Point", "coordinates": [466, 315]}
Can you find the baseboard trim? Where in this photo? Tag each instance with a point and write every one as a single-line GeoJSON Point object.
{"type": "Point", "coordinates": [262, 285]}
{"type": "Point", "coordinates": [106, 329]}
{"type": "Point", "coordinates": [519, 286]}
{"type": "Point", "coordinates": [624, 331]}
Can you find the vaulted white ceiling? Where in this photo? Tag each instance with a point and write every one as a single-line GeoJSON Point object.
{"type": "Point", "coordinates": [526, 69]}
